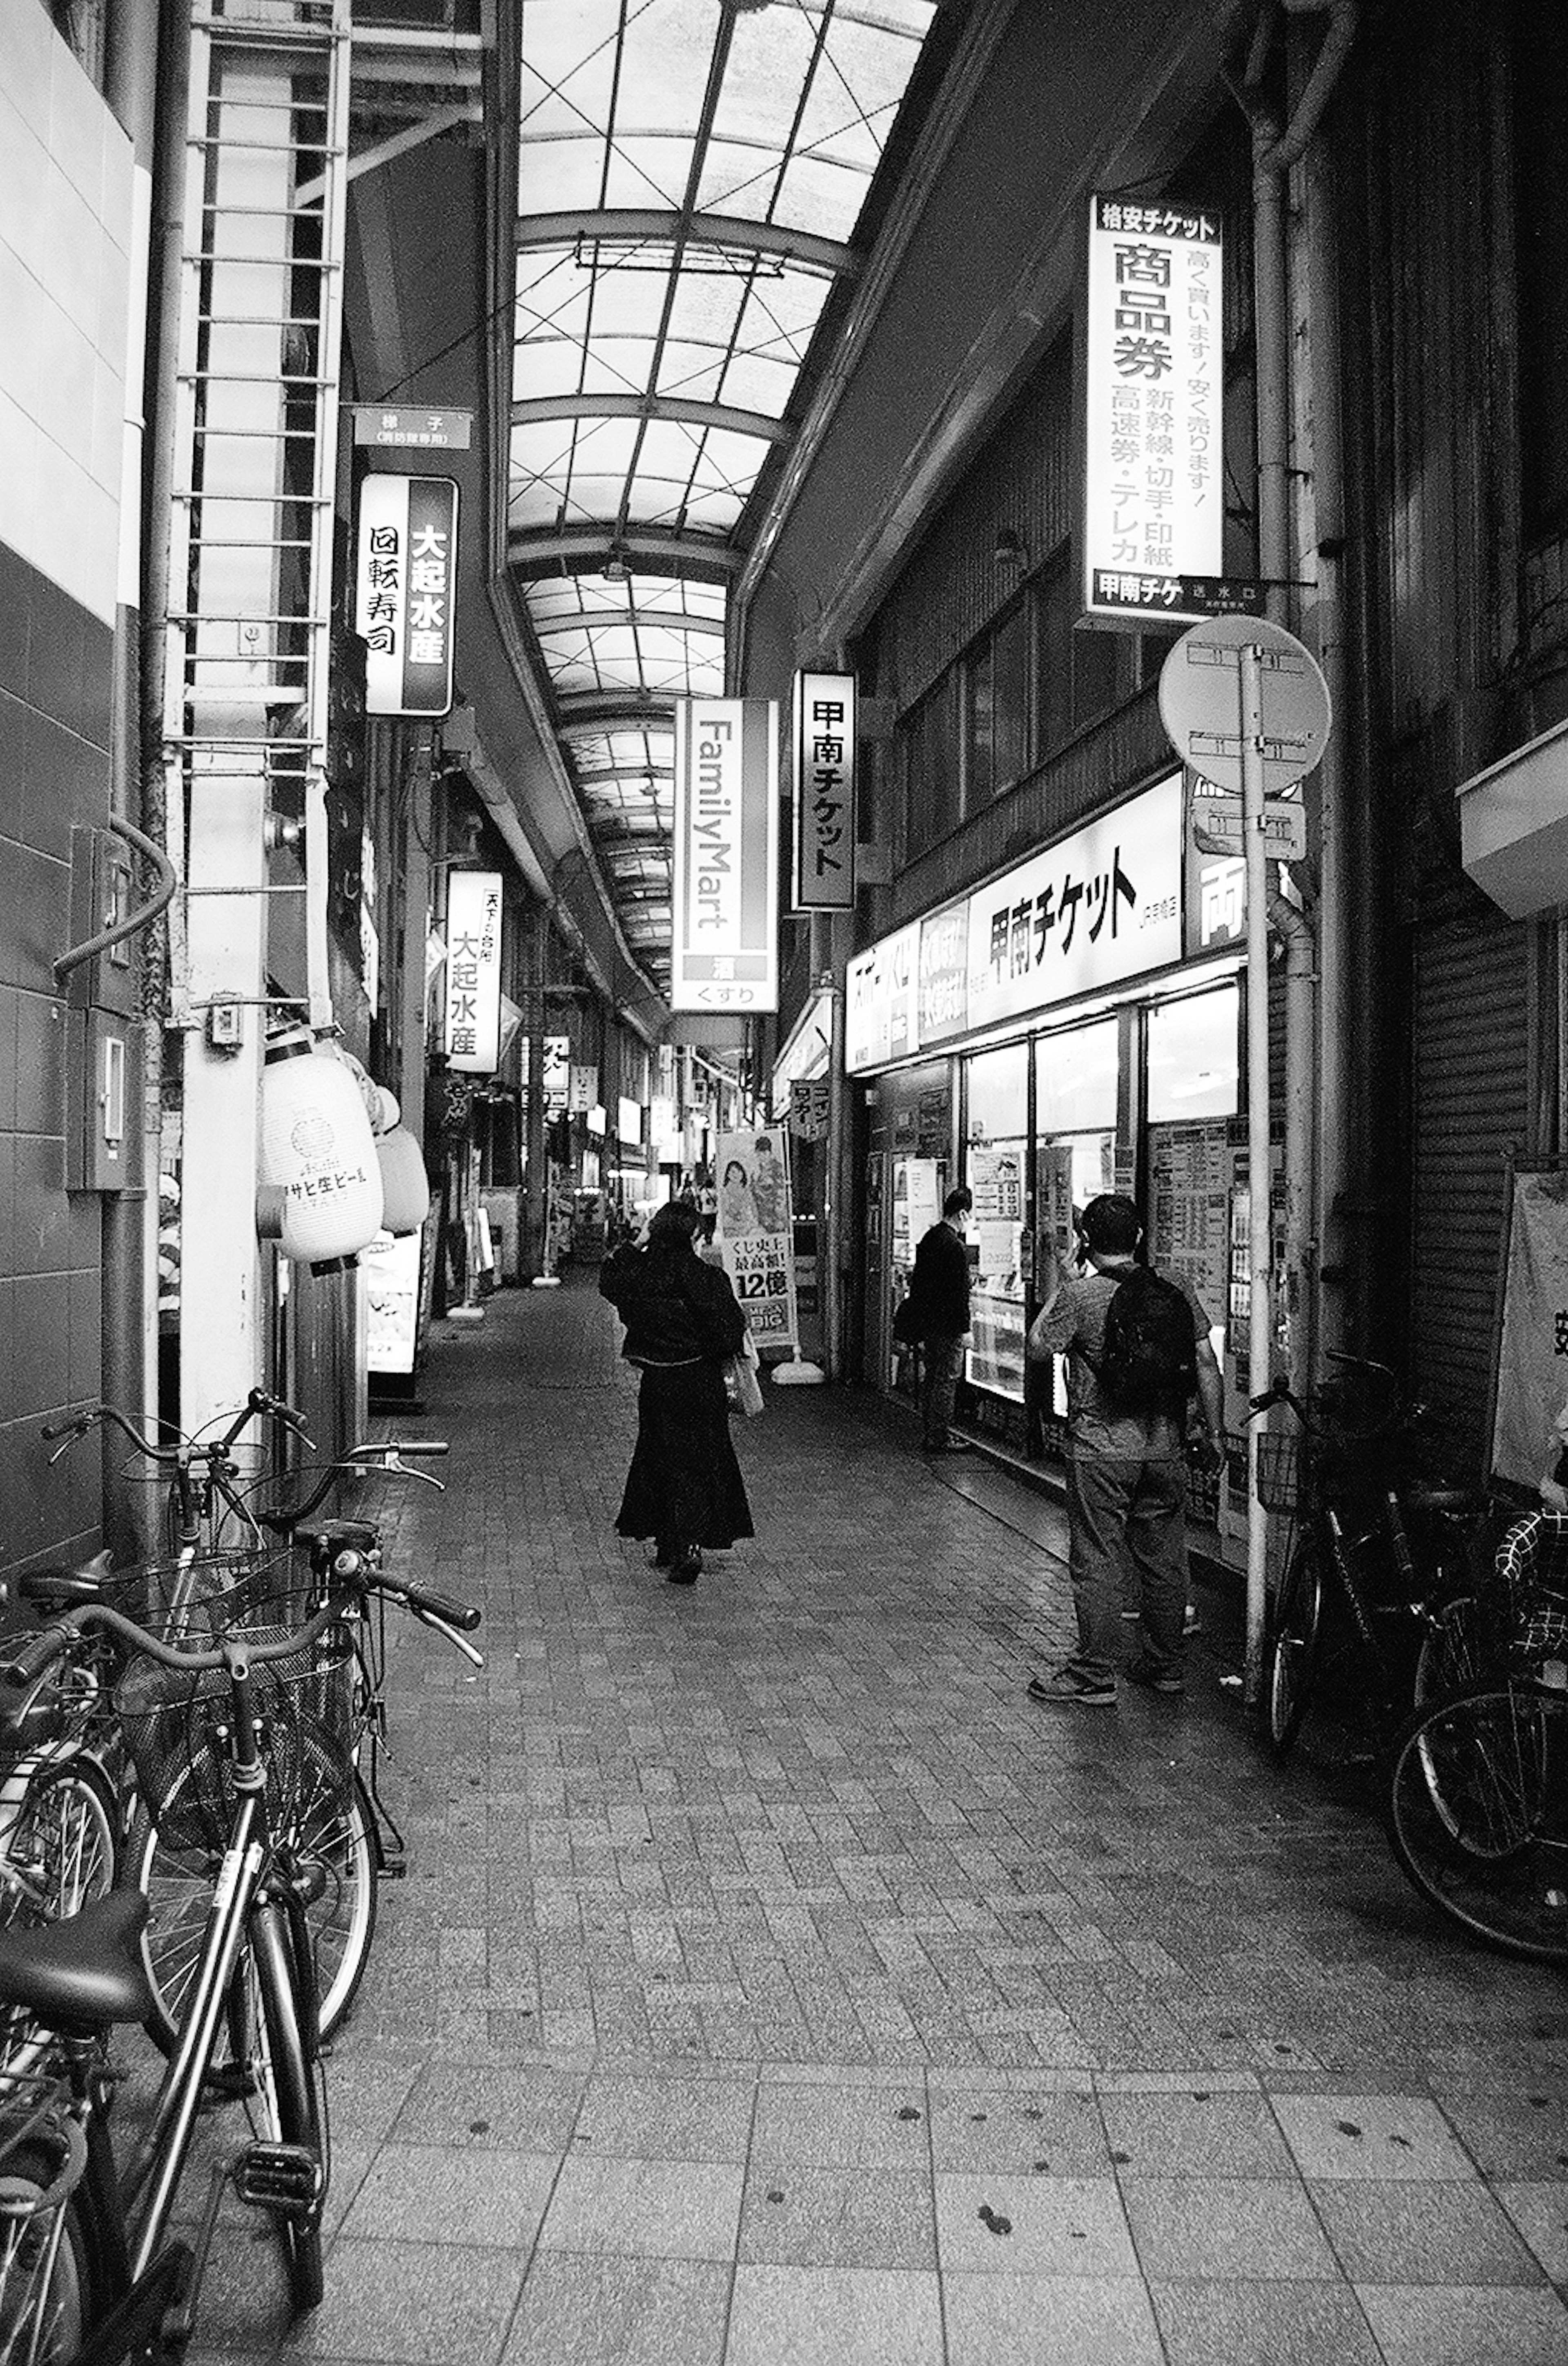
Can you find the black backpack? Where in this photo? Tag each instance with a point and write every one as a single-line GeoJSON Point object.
{"type": "Point", "coordinates": [1148, 1363]}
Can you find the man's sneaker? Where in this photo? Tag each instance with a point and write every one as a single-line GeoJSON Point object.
{"type": "Point", "coordinates": [1066, 1684]}
{"type": "Point", "coordinates": [1153, 1679]}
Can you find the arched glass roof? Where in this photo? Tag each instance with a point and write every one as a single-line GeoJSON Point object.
{"type": "Point", "coordinates": [693, 176]}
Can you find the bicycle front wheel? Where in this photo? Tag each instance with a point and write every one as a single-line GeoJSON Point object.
{"type": "Point", "coordinates": [283, 2071]}
{"type": "Point", "coordinates": [47, 2300]}
{"type": "Point", "coordinates": [330, 1840]}
{"type": "Point", "coordinates": [58, 1843]}
{"type": "Point", "coordinates": [1294, 1645]}
{"type": "Point", "coordinates": [1477, 1813]}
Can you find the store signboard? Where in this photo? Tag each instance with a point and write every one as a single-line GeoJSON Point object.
{"type": "Point", "coordinates": [1100, 905]}
{"type": "Point", "coordinates": [628, 1120]}
{"type": "Point", "coordinates": [406, 584]}
{"type": "Point", "coordinates": [1154, 412]}
{"type": "Point", "coordinates": [824, 793]}
{"type": "Point", "coordinates": [473, 970]}
{"type": "Point", "coordinates": [881, 999]}
{"type": "Point", "coordinates": [943, 1004]}
{"type": "Point", "coordinates": [557, 1073]}
{"type": "Point", "coordinates": [725, 954]}
{"type": "Point", "coordinates": [581, 1087]}
{"type": "Point", "coordinates": [756, 1233]}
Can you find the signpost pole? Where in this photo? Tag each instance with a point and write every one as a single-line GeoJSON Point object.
{"type": "Point", "coordinates": [1260, 1293]}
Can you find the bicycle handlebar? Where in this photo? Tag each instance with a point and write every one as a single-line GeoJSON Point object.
{"type": "Point", "coordinates": [388, 1452]}
{"type": "Point", "coordinates": [39, 1652]}
{"type": "Point", "coordinates": [170, 1454]}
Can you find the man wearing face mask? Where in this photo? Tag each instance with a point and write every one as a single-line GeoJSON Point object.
{"type": "Point", "coordinates": [938, 1285]}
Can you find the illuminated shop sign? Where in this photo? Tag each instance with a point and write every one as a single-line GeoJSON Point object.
{"type": "Point", "coordinates": [881, 990]}
{"type": "Point", "coordinates": [406, 581]}
{"type": "Point", "coordinates": [1102, 904]}
{"type": "Point", "coordinates": [824, 792]}
{"type": "Point", "coordinates": [725, 953]}
{"type": "Point", "coordinates": [1153, 430]}
{"type": "Point", "coordinates": [473, 970]}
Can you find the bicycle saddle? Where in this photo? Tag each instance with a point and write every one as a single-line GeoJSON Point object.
{"type": "Point", "coordinates": [55, 1589]}
{"type": "Point", "coordinates": [1441, 1495]}
{"type": "Point", "coordinates": [82, 1973]}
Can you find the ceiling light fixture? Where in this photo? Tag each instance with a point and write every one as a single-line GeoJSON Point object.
{"type": "Point", "coordinates": [1010, 549]}
{"type": "Point", "coordinates": [617, 566]}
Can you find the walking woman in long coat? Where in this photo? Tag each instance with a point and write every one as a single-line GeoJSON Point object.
{"type": "Point", "coordinates": [683, 1319]}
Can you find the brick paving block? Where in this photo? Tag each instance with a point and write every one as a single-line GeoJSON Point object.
{"type": "Point", "coordinates": [1374, 2136]}
{"type": "Point", "coordinates": [1040, 2226]}
{"type": "Point", "coordinates": [1451, 2324]}
{"type": "Point", "coordinates": [1432, 2233]}
{"type": "Point", "coordinates": [1012, 2320]}
{"type": "Point", "coordinates": [1247, 2322]}
{"type": "Point", "coordinates": [1217, 2228]}
{"type": "Point", "coordinates": [1018, 2131]}
{"type": "Point", "coordinates": [796, 2216]}
{"type": "Point", "coordinates": [615, 2311]}
{"type": "Point", "coordinates": [415, 2194]}
{"type": "Point", "coordinates": [649, 2209]}
{"type": "Point", "coordinates": [1540, 2211]}
{"type": "Point", "coordinates": [833, 2316]}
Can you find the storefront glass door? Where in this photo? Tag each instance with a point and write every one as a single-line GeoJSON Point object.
{"type": "Point", "coordinates": [996, 1151]}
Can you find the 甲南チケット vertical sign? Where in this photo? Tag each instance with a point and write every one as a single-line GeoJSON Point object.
{"type": "Point", "coordinates": [473, 970]}
{"type": "Point", "coordinates": [1154, 415]}
{"type": "Point", "coordinates": [406, 585]}
{"type": "Point", "coordinates": [824, 793]}
{"type": "Point", "coordinates": [724, 949]}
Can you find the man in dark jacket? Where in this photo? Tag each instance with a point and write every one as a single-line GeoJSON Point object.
{"type": "Point", "coordinates": [940, 1288]}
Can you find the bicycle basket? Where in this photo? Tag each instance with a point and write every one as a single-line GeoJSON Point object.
{"type": "Point", "coordinates": [1540, 1630]}
{"type": "Point", "coordinates": [176, 1730]}
{"type": "Point", "coordinates": [201, 1600]}
{"type": "Point", "coordinates": [1279, 1471]}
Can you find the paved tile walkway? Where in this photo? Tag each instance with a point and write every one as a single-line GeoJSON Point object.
{"type": "Point", "coordinates": [773, 1984]}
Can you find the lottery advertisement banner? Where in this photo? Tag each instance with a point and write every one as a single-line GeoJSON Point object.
{"type": "Point", "coordinates": [756, 1234]}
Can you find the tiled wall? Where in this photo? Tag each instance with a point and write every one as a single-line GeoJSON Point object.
{"type": "Point", "coordinates": [65, 207]}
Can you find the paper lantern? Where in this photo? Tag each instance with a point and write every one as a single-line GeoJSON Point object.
{"type": "Point", "coordinates": [391, 1111]}
{"type": "Point", "coordinates": [317, 1147]}
{"type": "Point", "coordinates": [405, 1192]}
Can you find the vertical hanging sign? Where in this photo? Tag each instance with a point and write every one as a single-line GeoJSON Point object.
{"type": "Point", "coordinates": [824, 792]}
{"type": "Point", "coordinates": [406, 583]}
{"type": "Point", "coordinates": [1153, 416]}
{"type": "Point", "coordinates": [725, 950]}
{"type": "Point", "coordinates": [473, 970]}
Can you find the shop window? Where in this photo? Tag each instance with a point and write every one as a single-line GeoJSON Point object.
{"type": "Point", "coordinates": [995, 1147]}
{"type": "Point", "coordinates": [1078, 676]}
{"type": "Point", "coordinates": [1193, 1056]}
{"type": "Point", "coordinates": [1540, 99]}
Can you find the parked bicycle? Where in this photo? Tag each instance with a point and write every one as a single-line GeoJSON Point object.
{"type": "Point", "coordinates": [339, 1827]}
{"type": "Point", "coordinates": [205, 1512]}
{"type": "Point", "coordinates": [1476, 1801]}
{"type": "Point", "coordinates": [1378, 1603]}
{"type": "Point", "coordinates": [88, 2266]}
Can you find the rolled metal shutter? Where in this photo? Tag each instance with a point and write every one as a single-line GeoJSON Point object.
{"type": "Point", "coordinates": [1470, 1109]}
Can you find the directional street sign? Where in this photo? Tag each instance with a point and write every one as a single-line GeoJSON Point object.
{"type": "Point", "coordinates": [1199, 701]}
{"type": "Point", "coordinates": [1217, 827]}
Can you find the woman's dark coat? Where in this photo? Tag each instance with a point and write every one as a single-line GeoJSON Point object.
{"type": "Point", "coordinates": [682, 1320]}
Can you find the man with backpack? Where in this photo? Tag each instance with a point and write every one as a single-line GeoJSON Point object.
{"type": "Point", "coordinates": [1138, 1352]}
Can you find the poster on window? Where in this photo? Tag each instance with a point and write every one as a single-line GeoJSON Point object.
{"type": "Point", "coordinates": [995, 1178]}
{"type": "Point", "coordinates": [1532, 1345]}
{"type": "Point", "coordinates": [1190, 1207]}
{"type": "Point", "coordinates": [755, 1232]}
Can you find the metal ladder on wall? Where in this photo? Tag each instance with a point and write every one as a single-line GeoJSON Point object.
{"type": "Point", "coordinates": [248, 630]}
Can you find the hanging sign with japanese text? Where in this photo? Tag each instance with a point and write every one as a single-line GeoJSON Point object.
{"type": "Point", "coordinates": [725, 950]}
{"type": "Point", "coordinates": [473, 970]}
{"type": "Point", "coordinates": [824, 792]}
{"type": "Point", "coordinates": [1153, 430]}
{"type": "Point", "coordinates": [558, 1071]}
{"type": "Point", "coordinates": [1102, 904]}
{"type": "Point", "coordinates": [406, 588]}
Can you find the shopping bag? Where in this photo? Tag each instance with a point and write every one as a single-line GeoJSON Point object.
{"type": "Point", "coordinates": [742, 1385]}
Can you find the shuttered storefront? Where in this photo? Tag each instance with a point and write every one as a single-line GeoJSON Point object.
{"type": "Point", "coordinates": [1470, 1110]}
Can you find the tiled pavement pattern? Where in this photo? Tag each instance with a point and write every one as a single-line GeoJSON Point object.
{"type": "Point", "coordinates": [773, 1984]}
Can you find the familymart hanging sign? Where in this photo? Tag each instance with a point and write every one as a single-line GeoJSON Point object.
{"type": "Point", "coordinates": [725, 949]}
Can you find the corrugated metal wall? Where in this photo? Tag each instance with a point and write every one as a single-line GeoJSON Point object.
{"type": "Point", "coordinates": [1471, 1109]}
